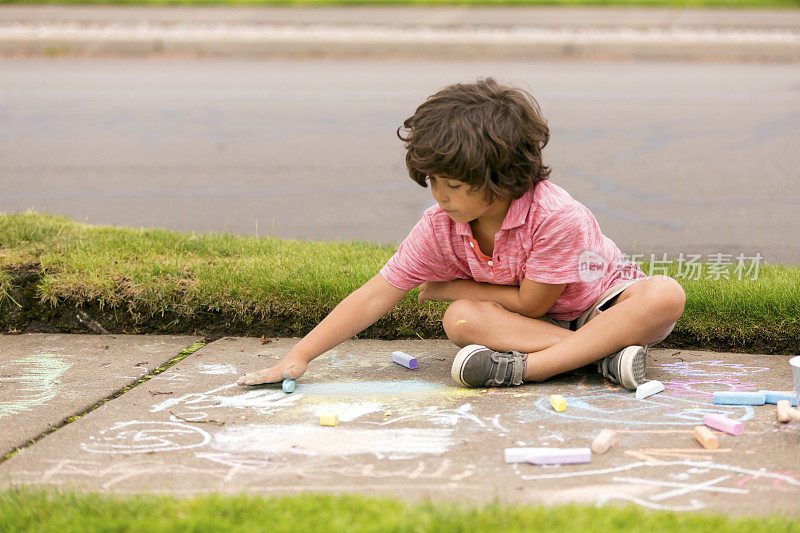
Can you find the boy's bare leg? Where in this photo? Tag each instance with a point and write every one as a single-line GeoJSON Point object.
{"type": "Point", "coordinates": [645, 312]}
{"type": "Point", "coordinates": [492, 325]}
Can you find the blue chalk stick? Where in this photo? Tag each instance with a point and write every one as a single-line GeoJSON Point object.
{"type": "Point", "coordinates": [405, 360]}
{"type": "Point", "coordinates": [739, 398]}
{"type": "Point", "coordinates": [773, 396]}
{"type": "Point", "coordinates": [289, 385]}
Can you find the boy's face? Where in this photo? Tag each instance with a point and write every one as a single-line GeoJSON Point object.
{"type": "Point", "coordinates": [463, 204]}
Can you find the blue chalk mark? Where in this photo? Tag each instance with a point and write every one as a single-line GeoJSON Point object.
{"type": "Point", "coordinates": [661, 410]}
{"type": "Point", "coordinates": [373, 387]}
{"type": "Point", "coordinates": [585, 405]}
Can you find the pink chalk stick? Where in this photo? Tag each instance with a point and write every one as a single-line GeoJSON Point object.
{"type": "Point", "coordinates": [723, 423]}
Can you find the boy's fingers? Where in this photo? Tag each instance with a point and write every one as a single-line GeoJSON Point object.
{"type": "Point", "coordinates": [257, 378]}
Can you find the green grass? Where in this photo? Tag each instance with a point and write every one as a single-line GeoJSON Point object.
{"type": "Point", "coordinates": [158, 281]}
{"type": "Point", "coordinates": [70, 512]}
{"type": "Point", "coordinates": [567, 3]}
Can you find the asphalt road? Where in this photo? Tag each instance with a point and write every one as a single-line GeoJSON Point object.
{"type": "Point", "coordinates": [694, 158]}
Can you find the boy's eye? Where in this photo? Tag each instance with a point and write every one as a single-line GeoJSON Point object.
{"type": "Point", "coordinates": [454, 186]}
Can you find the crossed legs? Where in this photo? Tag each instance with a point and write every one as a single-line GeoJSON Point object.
{"type": "Point", "coordinates": [642, 314]}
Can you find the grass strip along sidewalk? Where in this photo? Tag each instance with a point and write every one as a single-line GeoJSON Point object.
{"type": "Point", "coordinates": [165, 282]}
{"type": "Point", "coordinates": [71, 512]}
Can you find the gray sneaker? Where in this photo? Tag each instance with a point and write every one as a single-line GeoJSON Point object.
{"type": "Point", "coordinates": [625, 367]}
{"type": "Point", "coordinates": [478, 366]}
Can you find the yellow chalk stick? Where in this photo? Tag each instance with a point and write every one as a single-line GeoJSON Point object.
{"type": "Point", "coordinates": [328, 419]}
{"type": "Point", "coordinates": [705, 437]}
{"type": "Point", "coordinates": [558, 402]}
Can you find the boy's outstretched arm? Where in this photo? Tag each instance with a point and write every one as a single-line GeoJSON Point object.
{"type": "Point", "coordinates": [359, 310]}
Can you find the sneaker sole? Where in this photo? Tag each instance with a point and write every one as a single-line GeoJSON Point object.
{"type": "Point", "coordinates": [457, 370]}
{"type": "Point", "coordinates": [633, 357]}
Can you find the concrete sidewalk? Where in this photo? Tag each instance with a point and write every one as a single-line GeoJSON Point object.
{"type": "Point", "coordinates": [405, 433]}
{"type": "Point", "coordinates": [403, 32]}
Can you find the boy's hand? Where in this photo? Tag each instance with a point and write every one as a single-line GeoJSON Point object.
{"type": "Point", "coordinates": [435, 290]}
{"type": "Point", "coordinates": [286, 369]}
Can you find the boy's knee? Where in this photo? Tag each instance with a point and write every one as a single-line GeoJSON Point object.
{"type": "Point", "coordinates": [668, 296]}
{"type": "Point", "coordinates": [463, 318]}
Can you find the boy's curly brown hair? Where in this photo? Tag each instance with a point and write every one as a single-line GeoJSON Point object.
{"type": "Point", "coordinates": [483, 134]}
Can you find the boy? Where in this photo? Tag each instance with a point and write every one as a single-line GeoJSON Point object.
{"type": "Point", "coordinates": [537, 289]}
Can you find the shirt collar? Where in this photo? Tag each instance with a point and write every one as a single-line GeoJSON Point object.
{"type": "Point", "coordinates": [516, 216]}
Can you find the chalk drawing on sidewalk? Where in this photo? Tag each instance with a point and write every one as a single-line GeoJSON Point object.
{"type": "Point", "coordinates": [697, 479]}
{"type": "Point", "coordinates": [216, 369]}
{"type": "Point", "coordinates": [145, 437]}
{"type": "Point", "coordinates": [37, 381]}
{"type": "Point", "coordinates": [460, 416]}
{"type": "Point", "coordinates": [110, 474]}
{"type": "Point", "coordinates": [705, 388]}
{"type": "Point", "coordinates": [323, 467]}
{"type": "Point", "coordinates": [351, 400]}
{"type": "Point", "coordinates": [262, 400]}
{"type": "Point", "coordinates": [174, 376]}
{"type": "Point", "coordinates": [402, 388]}
{"type": "Point", "coordinates": [313, 440]}
{"type": "Point", "coordinates": [621, 407]}
{"type": "Point", "coordinates": [711, 369]}
{"type": "Point", "coordinates": [140, 475]}
{"type": "Point", "coordinates": [656, 455]}
{"type": "Point", "coordinates": [347, 411]}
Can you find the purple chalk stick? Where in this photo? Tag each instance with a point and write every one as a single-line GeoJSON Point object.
{"type": "Point", "coordinates": [723, 423]}
{"type": "Point", "coordinates": [402, 358]}
{"type": "Point", "coordinates": [558, 456]}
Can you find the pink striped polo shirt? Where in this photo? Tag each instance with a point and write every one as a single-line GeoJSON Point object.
{"type": "Point", "coordinates": [547, 236]}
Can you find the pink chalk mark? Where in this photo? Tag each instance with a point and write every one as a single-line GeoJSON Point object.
{"type": "Point", "coordinates": [684, 388]}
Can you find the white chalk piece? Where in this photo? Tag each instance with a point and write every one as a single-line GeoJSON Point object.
{"type": "Point", "coordinates": [604, 440]}
{"type": "Point", "coordinates": [786, 412]}
{"type": "Point", "coordinates": [740, 398]}
{"type": "Point", "coordinates": [289, 385]}
{"type": "Point", "coordinates": [559, 456]}
{"type": "Point", "coordinates": [405, 360]}
{"type": "Point", "coordinates": [773, 396]}
{"type": "Point", "coordinates": [649, 388]}
{"type": "Point", "coordinates": [517, 455]}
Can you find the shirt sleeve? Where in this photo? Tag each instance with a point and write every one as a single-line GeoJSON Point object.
{"type": "Point", "coordinates": [558, 245]}
{"type": "Point", "coordinates": [418, 259]}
